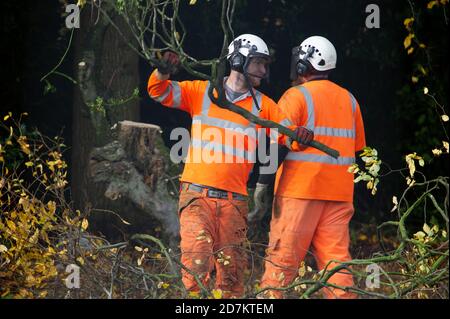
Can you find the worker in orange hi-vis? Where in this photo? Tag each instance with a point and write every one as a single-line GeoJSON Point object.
{"type": "Point", "coordinates": [213, 195]}
{"type": "Point", "coordinates": [313, 191]}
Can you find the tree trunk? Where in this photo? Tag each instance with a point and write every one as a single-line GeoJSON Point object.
{"type": "Point", "coordinates": [107, 69]}
{"type": "Point", "coordinates": [134, 167]}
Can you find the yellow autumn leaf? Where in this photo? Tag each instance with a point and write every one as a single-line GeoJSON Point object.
{"type": "Point", "coordinates": [163, 285]}
{"type": "Point", "coordinates": [431, 4]}
{"type": "Point", "coordinates": [445, 145]}
{"type": "Point", "coordinates": [84, 224]}
{"type": "Point", "coordinates": [420, 235]}
{"type": "Point", "coordinates": [410, 50]}
{"type": "Point", "coordinates": [194, 294]}
{"type": "Point", "coordinates": [444, 118]}
{"type": "Point", "coordinates": [80, 260]}
{"type": "Point", "coordinates": [192, 2]}
{"type": "Point", "coordinates": [436, 152]}
{"type": "Point", "coordinates": [353, 169]}
{"type": "Point", "coordinates": [22, 140]}
{"type": "Point", "coordinates": [395, 202]}
{"type": "Point", "coordinates": [411, 166]}
{"type": "Point", "coordinates": [29, 164]}
{"type": "Point", "coordinates": [11, 225]}
{"type": "Point", "coordinates": [302, 270]}
{"type": "Point", "coordinates": [408, 22]}
{"type": "Point", "coordinates": [414, 79]}
{"type": "Point", "coordinates": [217, 293]}
{"type": "Point", "coordinates": [427, 230]}
{"type": "Point", "coordinates": [425, 90]}
{"type": "Point", "coordinates": [33, 239]}
{"type": "Point", "coordinates": [407, 41]}
{"type": "Point", "coordinates": [3, 249]}
{"type": "Point", "coordinates": [422, 70]}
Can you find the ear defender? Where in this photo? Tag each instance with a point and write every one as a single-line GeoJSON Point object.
{"type": "Point", "coordinates": [236, 59]}
{"type": "Point", "coordinates": [304, 66]}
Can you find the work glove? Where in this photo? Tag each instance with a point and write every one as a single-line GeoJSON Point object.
{"type": "Point", "coordinates": [169, 63]}
{"type": "Point", "coordinates": [263, 198]}
{"type": "Point", "coordinates": [304, 135]}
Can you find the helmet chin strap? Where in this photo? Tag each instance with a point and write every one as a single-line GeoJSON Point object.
{"type": "Point", "coordinates": [250, 88]}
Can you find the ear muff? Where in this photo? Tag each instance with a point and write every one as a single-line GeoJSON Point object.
{"type": "Point", "coordinates": [237, 59]}
{"type": "Point", "coordinates": [304, 66]}
{"type": "Point", "coordinates": [301, 66]}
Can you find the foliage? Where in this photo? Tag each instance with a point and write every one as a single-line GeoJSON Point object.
{"type": "Point", "coordinates": [422, 101]}
{"type": "Point", "coordinates": [33, 177]}
{"type": "Point", "coordinates": [41, 234]}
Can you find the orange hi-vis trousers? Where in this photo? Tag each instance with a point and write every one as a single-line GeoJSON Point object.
{"type": "Point", "coordinates": [213, 232]}
{"type": "Point", "coordinates": [298, 224]}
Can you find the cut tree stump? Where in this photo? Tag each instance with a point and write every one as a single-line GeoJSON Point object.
{"type": "Point", "coordinates": [134, 167]}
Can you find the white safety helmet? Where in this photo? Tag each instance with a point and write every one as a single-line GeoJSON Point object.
{"type": "Point", "coordinates": [246, 46]}
{"type": "Point", "coordinates": [324, 56]}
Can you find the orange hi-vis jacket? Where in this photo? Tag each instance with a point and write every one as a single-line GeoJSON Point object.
{"type": "Point", "coordinates": [229, 159]}
{"type": "Point", "coordinates": [335, 117]}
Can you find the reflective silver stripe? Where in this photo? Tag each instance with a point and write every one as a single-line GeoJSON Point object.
{"type": "Point", "coordinates": [206, 101]}
{"type": "Point", "coordinates": [323, 130]}
{"type": "Point", "coordinates": [274, 133]}
{"type": "Point", "coordinates": [305, 157]}
{"type": "Point", "coordinates": [163, 96]}
{"type": "Point", "coordinates": [288, 140]}
{"type": "Point", "coordinates": [212, 121]}
{"type": "Point", "coordinates": [331, 131]}
{"type": "Point", "coordinates": [176, 91]}
{"type": "Point", "coordinates": [226, 149]}
{"type": "Point", "coordinates": [352, 98]}
{"type": "Point", "coordinates": [203, 118]}
{"type": "Point", "coordinates": [286, 122]}
{"type": "Point", "coordinates": [353, 102]}
{"type": "Point", "coordinates": [310, 105]}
